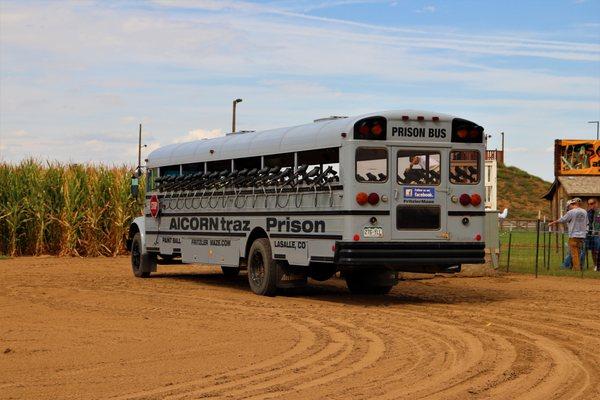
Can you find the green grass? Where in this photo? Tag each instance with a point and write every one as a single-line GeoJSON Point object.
{"type": "Point", "coordinates": [523, 255]}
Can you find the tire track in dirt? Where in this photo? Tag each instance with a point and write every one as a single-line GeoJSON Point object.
{"type": "Point", "coordinates": [440, 340]}
{"type": "Point", "coordinates": [543, 373]}
{"type": "Point", "coordinates": [337, 348]}
{"type": "Point", "coordinates": [307, 339]}
{"type": "Point", "coordinates": [375, 350]}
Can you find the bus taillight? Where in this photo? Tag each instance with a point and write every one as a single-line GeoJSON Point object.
{"type": "Point", "coordinates": [372, 128]}
{"type": "Point", "coordinates": [373, 199]}
{"type": "Point", "coordinates": [464, 199]}
{"type": "Point", "coordinates": [475, 199]}
{"type": "Point", "coordinates": [464, 131]}
{"type": "Point", "coordinates": [362, 198]}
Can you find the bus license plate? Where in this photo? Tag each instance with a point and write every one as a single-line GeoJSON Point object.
{"type": "Point", "coordinates": [373, 232]}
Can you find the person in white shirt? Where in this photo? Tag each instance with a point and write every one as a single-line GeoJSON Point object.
{"type": "Point", "coordinates": [577, 223]}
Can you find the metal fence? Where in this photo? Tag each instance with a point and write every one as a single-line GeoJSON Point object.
{"type": "Point", "coordinates": [541, 251]}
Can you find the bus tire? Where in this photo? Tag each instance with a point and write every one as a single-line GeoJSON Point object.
{"type": "Point", "coordinates": [141, 263]}
{"type": "Point", "coordinates": [262, 269]}
{"type": "Point", "coordinates": [362, 283]}
{"type": "Point", "coordinates": [230, 272]}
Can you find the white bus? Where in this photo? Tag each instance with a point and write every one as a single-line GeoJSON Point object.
{"type": "Point", "coordinates": [366, 196]}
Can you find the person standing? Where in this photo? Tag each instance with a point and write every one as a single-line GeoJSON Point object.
{"type": "Point", "coordinates": [577, 222]}
{"type": "Point", "coordinates": [593, 237]}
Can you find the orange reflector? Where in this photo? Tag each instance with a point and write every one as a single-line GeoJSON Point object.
{"type": "Point", "coordinates": [362, 198]}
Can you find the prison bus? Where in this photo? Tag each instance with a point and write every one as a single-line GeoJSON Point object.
{"type": "Point", "coordinates": [366, 196]}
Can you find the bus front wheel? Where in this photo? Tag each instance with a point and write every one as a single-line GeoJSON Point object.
{"type": "Point", "coordinates": [262, 269]}
{"type": "Point", "coordinates": [141, 263]}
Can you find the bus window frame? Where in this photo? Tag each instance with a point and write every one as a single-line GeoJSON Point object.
{"type": "Point", "coordinates": [479, 166]}
{"type": "Point", "coordinates": [387, 163]}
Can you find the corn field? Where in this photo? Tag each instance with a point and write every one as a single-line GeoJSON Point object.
{"type": "Point", "coordinates": [64, 209]}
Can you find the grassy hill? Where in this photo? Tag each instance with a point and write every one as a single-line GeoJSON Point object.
{"type": "Point", "coordinates": [521, 193]}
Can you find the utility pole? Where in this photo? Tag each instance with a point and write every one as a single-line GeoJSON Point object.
{"type": "Point", "coordinates": [597, 128]}
{"type": "Point", "coordinates": [138, 171]}
{"type": "Point", "coordinates": [233, 118]}
{"type": "Point", "coordinates": [139, 166]}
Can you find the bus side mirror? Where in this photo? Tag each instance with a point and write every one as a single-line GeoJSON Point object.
{"type": "Point", "coordinates": [135, 187]}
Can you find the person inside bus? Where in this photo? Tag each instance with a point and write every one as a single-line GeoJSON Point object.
{"type": "Point", "coordinates": [577, 221]}
{"type": "Point", "coordinates": [417, 170]}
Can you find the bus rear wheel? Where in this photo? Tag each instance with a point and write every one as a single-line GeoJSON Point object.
{"type": "Point", "coordinates": [262, 269]}
{"type": "Point", "coordinates": [141, 263]}
{"type": "Point", "coordinates": [369, 283]}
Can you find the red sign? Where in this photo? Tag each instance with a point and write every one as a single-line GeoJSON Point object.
{"type": "Point", "coordinates": [154, 206]}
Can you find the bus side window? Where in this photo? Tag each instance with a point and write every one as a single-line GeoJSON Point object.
{"type": "Point", "coordinates": [323, 159]}
{"type": "Point", "coordinates": [150, 176]}
{"type": "Point", "coordinates": [188, 169]}
{"type": "Point", "coordinates": [170, 170]}
{"type": "Point", "coordinates": [464, 167]}
{"type": "Point", "coordinates": [247, 163]}
{"type": "Point", "coordinates": [218, 166]}
{"type": "Point", "coordinates": [279, 160]}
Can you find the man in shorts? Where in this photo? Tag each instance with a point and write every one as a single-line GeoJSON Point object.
{"type": "Point", "coordinates": [577, 222]}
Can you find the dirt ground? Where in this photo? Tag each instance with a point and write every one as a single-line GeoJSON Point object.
{"type": "Point", "coordinates": [86, 328]}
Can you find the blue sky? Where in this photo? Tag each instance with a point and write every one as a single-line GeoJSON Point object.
{"type": "Point", "coordinates": [77, 77]}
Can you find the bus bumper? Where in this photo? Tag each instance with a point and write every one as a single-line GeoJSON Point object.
{"type": "Point", "coordinates": [428, 257]}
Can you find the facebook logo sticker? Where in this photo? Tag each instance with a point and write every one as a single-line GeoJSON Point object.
{"type": "Point", "coordinates": [419, 193]}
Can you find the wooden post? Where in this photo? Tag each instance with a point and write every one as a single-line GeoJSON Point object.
{"type": "Point", "coordinates": [537, 246]}
{"type": "Point", "coordinates": [509, 246]}
{"type": "Point", "coordinates": [549, 250]}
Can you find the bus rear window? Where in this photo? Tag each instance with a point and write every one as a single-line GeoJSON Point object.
{"type": "Point", "coordinates": [464, 167]}
{"type": "Point", "coordinates": [418, 167]}
{"type": "Point", "coordinates": [371, 164]}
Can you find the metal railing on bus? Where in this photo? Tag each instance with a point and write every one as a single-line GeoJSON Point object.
{"type": "Point", "coordinates": [208, 189]}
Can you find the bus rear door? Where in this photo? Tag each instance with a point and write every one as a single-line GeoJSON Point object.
{"type": "Point", "coordinates": [419, 193]}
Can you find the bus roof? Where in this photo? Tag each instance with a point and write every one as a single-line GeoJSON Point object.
{"type": "Point", "coordinates": [316, 135]}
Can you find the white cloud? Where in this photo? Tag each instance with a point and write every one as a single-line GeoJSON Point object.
{"type": "Point", "coordinates": [94, 72]}
{"type": "Point", "coordinates": [197, 134]}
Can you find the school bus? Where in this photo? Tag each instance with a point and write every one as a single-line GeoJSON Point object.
{"type": "Point", "coordinates": [366, 196]}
